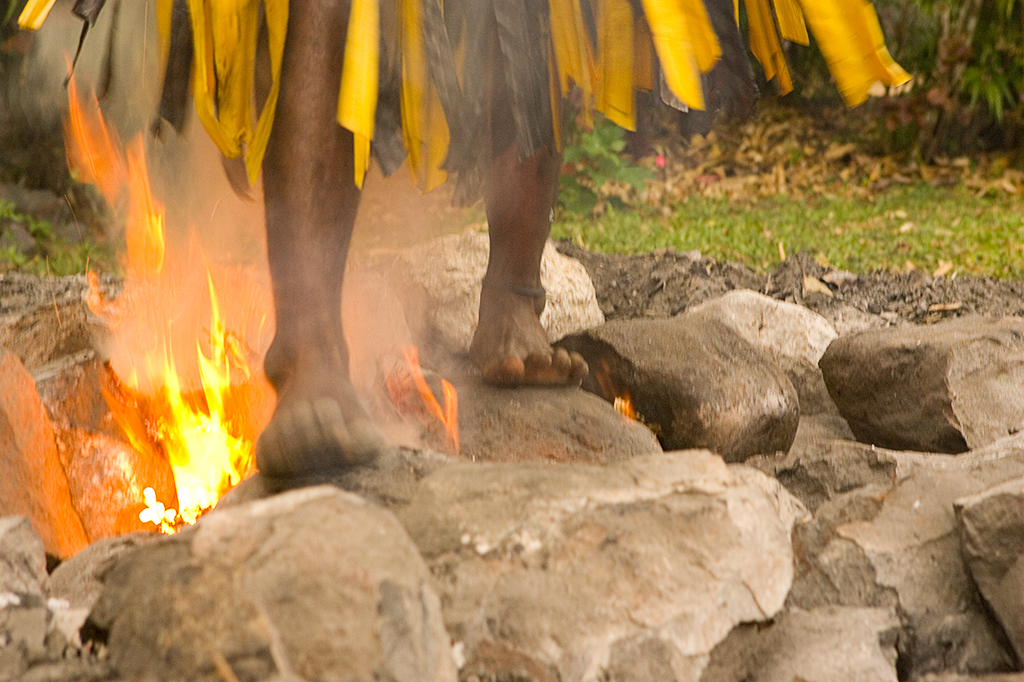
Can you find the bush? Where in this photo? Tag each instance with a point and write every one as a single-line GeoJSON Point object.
{"type": "Point", "coordinates": [967, 57]}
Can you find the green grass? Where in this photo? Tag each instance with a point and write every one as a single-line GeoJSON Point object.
{"type": "Point", "coordinates": [919, 224]}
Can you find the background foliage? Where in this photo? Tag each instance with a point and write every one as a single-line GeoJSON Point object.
{"type": "Point", "coordinates": [967, 57]}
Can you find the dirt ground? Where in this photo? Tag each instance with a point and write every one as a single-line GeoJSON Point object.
{"type": "Point", "coordinates": [665, 283]}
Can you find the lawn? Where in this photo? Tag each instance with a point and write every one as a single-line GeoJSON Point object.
{"type": "Point", "coordinates": [949, 230]}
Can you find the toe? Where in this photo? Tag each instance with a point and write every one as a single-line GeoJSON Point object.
{"type": "Point", "coordinates": [561, 362]}
{"type": "Point", "coordinates": [579, 370]}
{"type": "Point", "coordinates": [537, 364]}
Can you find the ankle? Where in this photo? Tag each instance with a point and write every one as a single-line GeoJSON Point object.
{"type": "Point", "coordinates": [537, 294]}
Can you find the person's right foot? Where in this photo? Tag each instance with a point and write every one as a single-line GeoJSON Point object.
{"type": "Point", "coordinates": [510, 347]}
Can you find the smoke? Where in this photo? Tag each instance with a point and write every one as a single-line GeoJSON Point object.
{"type": "Point", "coordinates": [209, 225]}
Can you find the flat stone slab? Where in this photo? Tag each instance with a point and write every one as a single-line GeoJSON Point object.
{"type": "Point", "coordinates": [313, 584]}
{"type": "Point", "coordinates": [948, 387]}
{"type": "Point", "coordinates": [567, 572]}
{"type": "Point", "coordinates": [697, 382]}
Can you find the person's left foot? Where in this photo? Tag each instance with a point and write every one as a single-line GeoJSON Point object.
{"type": "Point", "coordinates": [319, 427]}
{"type": "Point", "coordinates": [510, 347]}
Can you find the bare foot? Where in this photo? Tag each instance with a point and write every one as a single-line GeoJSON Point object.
{"type": "Point", "coordinates": [510, 346]}
{"type": "Point", "coordinates": [319, 427]}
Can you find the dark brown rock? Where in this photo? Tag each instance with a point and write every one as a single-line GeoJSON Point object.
{"type": "Point", "coordinates": [695, 381]}
{"type": "Point", "coordinates": [947, 387]}
{"type": "Point", "coordinates": [72, 389]}
{"type": "Point", "coordinates": [32, 479]}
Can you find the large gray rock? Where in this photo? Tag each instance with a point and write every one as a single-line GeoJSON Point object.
{"type": "Point", "coordinates": [794, 338]}
{"type": "Point", "coordinates": [440, 282]}
{"type": "Point", "coordinates": [316, 584]}
{"type": "Point", "coordinates": [75, 585]}
{"type": "Point", "coordinates": [789, 334]}
{"type": "Point", "coordinates": [34, 629]}
{"type": "Point", "coordinates": [32, 480]}
{"type": "Point", "coordinates": [896, 544]}
{"type": "Point", "coordinates": [583, 573]}
{"type": "Point", "coordinates": [23, 613]}
{"type": "Point", "coordinates": [949, 387]}
{"type": "Point", "coordinates": [697, 382]}
{"type": "Point", "coordinates": [992, 532]}
{"type": "Point", "coordinates": [823, 645]}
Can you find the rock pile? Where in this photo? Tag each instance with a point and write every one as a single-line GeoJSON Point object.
{"type": "Point", "coordinates": [835, 538]}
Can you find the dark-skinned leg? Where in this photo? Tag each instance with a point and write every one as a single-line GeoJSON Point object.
{"type": "Point", "coordinates": [510, 347]}
{"type": "Point", "coordinates": [319, 425]}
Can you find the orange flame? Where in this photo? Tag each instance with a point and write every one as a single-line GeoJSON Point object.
{"type": "Point", "coordinates": [624, 404]}
{"type": "Point", "coordinates": [427, 408]}
{"type": "Point", "coordinates": [620, 398]}
{"type": "Point", "coordinates": [207, 433]}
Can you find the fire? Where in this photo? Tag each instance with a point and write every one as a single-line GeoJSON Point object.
{"type": "Point", "coordinates": [185, 387]}
{"type": "Point", "coordinates": [620, 398]}
{"type": "Point", "coordinates": [411, 394]}
{"type": "Point", "coordinates": [624, 405]}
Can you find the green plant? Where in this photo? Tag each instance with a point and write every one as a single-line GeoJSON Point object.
{"type": "Point", "coordinates": [595, 171]}
{"type": "Point", "coordinates": [51, 254]}
{"type": "Point", "coordinates": [39, 229]}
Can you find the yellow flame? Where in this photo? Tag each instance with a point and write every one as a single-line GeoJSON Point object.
{"type": "Point", "coordinates": [207, 435]}
{"type": "Point", "coordinates": [189, 431]}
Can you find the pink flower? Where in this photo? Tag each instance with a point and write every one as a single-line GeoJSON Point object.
{"type": "Point", "coordinates": [660, 160]}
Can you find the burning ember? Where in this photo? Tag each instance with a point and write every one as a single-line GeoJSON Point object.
{"type": "Point", "coordinates": [185, 387]}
